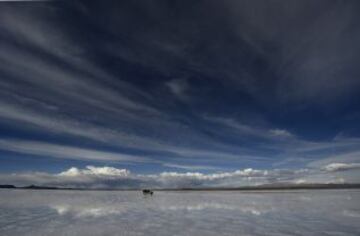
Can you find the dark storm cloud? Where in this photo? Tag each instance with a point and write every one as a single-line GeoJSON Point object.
{"type": "Point", "coordinates": [203, 85]}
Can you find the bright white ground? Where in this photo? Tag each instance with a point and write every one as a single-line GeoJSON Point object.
{"type": "Point", "coordinates": [313, 212]}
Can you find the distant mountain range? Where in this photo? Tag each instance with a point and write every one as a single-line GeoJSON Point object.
{"type": "Point", "coordinates": [245, 188]}
{"type": "Point", "coordinates": [27, 187]}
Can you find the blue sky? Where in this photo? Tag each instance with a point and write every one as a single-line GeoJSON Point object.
{"type": "Point", "coordinates": [204, 87]}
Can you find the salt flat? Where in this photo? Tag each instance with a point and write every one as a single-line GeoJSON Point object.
{"type": "Point", "coordinates": [311, 212]}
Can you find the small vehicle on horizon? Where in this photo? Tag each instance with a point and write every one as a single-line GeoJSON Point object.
{"type": "Point", "coordinates": [147, 192]}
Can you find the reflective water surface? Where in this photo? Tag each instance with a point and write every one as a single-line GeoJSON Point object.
{"type": "Point", "coordinates": [313, 212]}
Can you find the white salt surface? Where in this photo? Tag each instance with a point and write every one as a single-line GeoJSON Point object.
{"type": "Point", "coordinates": [313, 212]}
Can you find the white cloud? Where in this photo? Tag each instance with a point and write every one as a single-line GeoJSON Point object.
{"type": "Point", "coordinates": [249, 172]}
{"type": "Point", "coordinates": [96, 171]}
{"type": "Point", "coordinates": [110, 177]}
{"type": "Point", "coordinates": [350, 155]}
{"type": "Point", "coordinates": [341, 166]}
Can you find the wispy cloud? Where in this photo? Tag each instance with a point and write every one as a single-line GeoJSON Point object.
{"type": "Point", "coordinates": [341, 166]}
{"type": "Point", "coordinates": [251, 130]}
{"type": "Point", "coordinates": [179, 88]}
{"type": "Point", "coordinates": [191, 167]}
{"type": "Point", "coordinates": [82, 81]}
{"type": "Point", "coordinates": [64, 152]}
{"type": "Point", "coordinates": [280, 133]}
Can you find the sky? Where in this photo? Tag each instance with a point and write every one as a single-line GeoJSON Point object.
{"type": "Point", "coordinates": [179, 93]}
